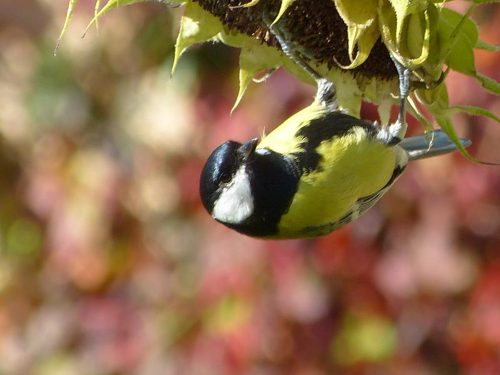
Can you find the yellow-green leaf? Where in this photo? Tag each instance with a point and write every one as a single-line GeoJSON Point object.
{"type": "Point", "coordinates": [388, 27]}
{"type": "Point", "coordinates": [96, 12]}
{"type": "Point", "coordinates": [111, 4]}
{"type": "Point", "coordinates": [69, 15]}
{"type": "Point", "coordinates": [475, 111]}
{"type": "Point", "coordinates": [384, 111]}
{"type": "Point", "coordinates": [462, 24]}
{"type": "Point", "coordinates": [350, 97]}
{"type": "Point", "coordinates": [414, 40]}
{"type": "Point", "coordinates": [458, 35]}
{"type": "Point", "coordinates": [255, 58]}
{"type": "Point", "coordinates": [365, 42]}
{"type": "Point", "coordinates": [417, 113]}
{"type": "Point", "coordinates": [435, 101]}
{"type": "Point", "coordinates": [246, 5]}
{"type": "Point", "coordinates": [488, 83]}
{"type": "Point", "coordinates": [361, 13]}
{"type": "Point", "coordinates": [234, 39]}
{"type": "Point", "coordinates": [358, 17]}
{"type": "Point", "coordinates": [433, 65]}
{"type": "Point", "coordinates": [284, 6]}
{"type": "Point", "coordinates": [487, 46]}
{"type": "Point", "coordinates": [411, 44]}
{"type": "Point", "coordinates": [446, 124]}
{"type": "Point", "coordinates": [406, 29]}
{"type": "Point", "coordinates": [416, 29]}
{"type": "Point", "coordinates": [402, 8]}
{"type": "Point", "coordinates": [197, 26]}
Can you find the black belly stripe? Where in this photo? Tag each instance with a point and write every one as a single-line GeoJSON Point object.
{"type": "Point", "coordinates": [274, 179]}
{"type": "Point", "coordinates": [329, 126]}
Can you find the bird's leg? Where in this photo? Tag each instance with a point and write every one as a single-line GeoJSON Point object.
{"type": "Point", "coordinates": [397, 131]}
{"type": "Point", "coordinates": [404, 91]}
{"type": "Point", "coordinates": [326, 92]}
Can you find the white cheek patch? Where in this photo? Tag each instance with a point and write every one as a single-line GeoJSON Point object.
{"type": "Point", "coordinates": [235, 203]}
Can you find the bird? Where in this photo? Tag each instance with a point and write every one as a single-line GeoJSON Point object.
{"type": "Point", "coordinates": [319, 170]}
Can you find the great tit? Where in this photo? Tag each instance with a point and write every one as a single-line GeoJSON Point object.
{"type": "Point", "coordinates": [316, 172]}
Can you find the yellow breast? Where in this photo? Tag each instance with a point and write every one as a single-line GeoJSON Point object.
{"type": "Point", "coordinates": [352, 166]}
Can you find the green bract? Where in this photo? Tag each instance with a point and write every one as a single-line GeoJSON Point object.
{"type": "Point", "coordinates": [350, 42]}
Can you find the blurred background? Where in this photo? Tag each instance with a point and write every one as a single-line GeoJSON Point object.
{"type": "Point", "coordinates": [110, 265]}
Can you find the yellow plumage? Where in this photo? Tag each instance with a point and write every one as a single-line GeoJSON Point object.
{"type": "Point", "coordinates": [282, 139]}
{"type": "Point", "coordinates": [352, 166]}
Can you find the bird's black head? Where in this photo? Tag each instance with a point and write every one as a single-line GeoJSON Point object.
{"type": "Point", "coordinates": [248, 190]}
{"type": "Point", "coordinates": [221, 168]}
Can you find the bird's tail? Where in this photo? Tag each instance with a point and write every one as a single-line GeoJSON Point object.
{"type": "Point", "coordinates": [419, 148]}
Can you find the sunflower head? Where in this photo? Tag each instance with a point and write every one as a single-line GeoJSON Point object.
{"type": "Point", "coordinates": [351, 43]}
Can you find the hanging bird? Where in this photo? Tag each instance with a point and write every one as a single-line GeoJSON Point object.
{"type": "Point", "coordinates": [316, 172]}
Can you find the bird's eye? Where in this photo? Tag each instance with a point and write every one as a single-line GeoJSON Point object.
{"type": "Point", "coordinates": [225, 177]}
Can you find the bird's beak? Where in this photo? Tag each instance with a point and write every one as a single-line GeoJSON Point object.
{"type": "Point", "coordinates": [247, 150]}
